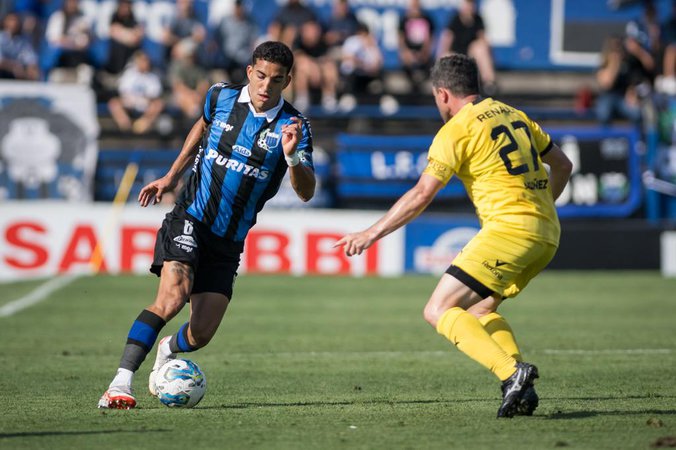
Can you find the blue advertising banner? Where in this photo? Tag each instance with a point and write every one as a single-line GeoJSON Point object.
{"type": "Point", "coordinates": [605, 180]}
{"type": "Point", "coordinates": [432, 242]}
{"type": "Point", "coordinates": [384, 166]}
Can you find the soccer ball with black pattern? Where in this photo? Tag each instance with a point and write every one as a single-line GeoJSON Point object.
{"type": "Point", "coordinates": [180, 383]}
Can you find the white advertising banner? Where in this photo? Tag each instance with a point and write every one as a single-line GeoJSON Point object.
{"type": "Point", "coordinates": [42, 239]}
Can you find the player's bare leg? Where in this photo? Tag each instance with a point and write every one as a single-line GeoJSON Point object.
{"type": "Point", "coordinates": [175, 284]}
{"type": "Point", "coordinates": [206, 313]}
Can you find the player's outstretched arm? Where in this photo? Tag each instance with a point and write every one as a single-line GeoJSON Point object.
{"type": "Point", "coordinates": [302, 177]}
{"type": "Point", "coordinates": [560, 169]}
{"type": "Point", "coordinates": [408, 207]}
{"type": "Point", "coordinates": [153, 191]}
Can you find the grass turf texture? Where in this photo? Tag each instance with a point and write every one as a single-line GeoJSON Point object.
{"type": "Point", "coordinates": [339, 363]}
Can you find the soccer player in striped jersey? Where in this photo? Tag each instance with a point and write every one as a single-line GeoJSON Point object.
{"type": "Point", "coordinates": [499, 154]}
{"type": "Point", "coordinates": [239, 150]}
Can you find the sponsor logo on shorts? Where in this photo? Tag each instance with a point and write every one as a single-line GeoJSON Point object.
{"type": "Point", "coordinates": [493, 270]}
{"type": "Point", "coordinates": [186, 240]}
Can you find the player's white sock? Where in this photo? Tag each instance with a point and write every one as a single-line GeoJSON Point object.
{"type": "Point", "coordinates": [124, 377]}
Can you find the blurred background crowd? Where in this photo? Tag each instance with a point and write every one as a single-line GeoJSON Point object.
{"type": "Point", "coordinates": [339, 60]}
{"type": "Point", "coordinates": [361, 66]}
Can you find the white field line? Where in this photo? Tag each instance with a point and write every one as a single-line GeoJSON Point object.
{"type": "Point", "coordinates": [626, 351]}
{"type": "Point", "coordinates": [438, 353]}
{"type": "Point", "coordinates": [37, 295]}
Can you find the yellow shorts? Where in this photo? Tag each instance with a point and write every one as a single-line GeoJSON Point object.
{"type": "Point", "coordinates": [498, 260]}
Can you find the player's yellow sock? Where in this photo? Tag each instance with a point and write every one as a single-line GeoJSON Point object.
{"type": "Point", "coordinates": [500, 331]}
{"type": "Point", "coordinates": [470, 337]}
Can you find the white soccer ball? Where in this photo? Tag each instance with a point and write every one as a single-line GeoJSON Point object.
{"type": "Point", "coordinates": [180, 383]}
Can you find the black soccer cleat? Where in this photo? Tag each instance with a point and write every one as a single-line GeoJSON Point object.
{"type": "Point", "coordinates": [514, 387]}
{"type": "Point", "coordinates": [528, 403]}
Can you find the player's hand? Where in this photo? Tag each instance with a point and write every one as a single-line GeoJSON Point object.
{"type": "Point", "coordinates": [292, 133]}
{"type": "Point", "coordinates": [152, 192]}
{"type": "Point", "coordinates": [355, 243]}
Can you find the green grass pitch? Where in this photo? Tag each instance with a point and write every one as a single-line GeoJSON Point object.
{"type": "Point", "coordinates": [339, 363]}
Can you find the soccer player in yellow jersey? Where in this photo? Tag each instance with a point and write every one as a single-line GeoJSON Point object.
{"type": "Point", "coordinates": [500, 156]}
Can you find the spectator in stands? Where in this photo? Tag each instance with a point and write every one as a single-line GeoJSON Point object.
{"type": "Point", "coordinates": [126, 35]}
{"type": "Point", "coordinates": [189, 81]}
{"type": "Point", "coordinates": [416, 41]}
{"type": "Point", "coordinates": [183, 26]}
{"type": "Point", "coordinates": [236, 36]}
{"type": "Point", "coordinates": [625, 71]}
{"type": "Point", "coordinates": [666, 82]}
{"type": "Point", "coordinates": [465, 34]}
{"type": "Point", "coordinates": [69, 32]}
{"type": "Point", "coordinates": [18, 59]}
{"type": "Point", "coordinates": [361, 65]}
{"type": "Point", "coordinates": [341, 25]}
{"type": "Point", "coordinates": [285, 27]}
{"type": "Point", "coordinates": [139, 96]}
{"type": "Point", "coordinates": [314, 68]}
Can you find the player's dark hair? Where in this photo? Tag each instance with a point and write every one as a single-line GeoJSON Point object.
{"type": "Point", "coordinates": [457, 73]}
{"type": "Point", "coordinates": [274, 52]}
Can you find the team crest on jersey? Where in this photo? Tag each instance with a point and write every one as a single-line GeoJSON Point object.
{"type": "Point", "coordinates": [268, 140]}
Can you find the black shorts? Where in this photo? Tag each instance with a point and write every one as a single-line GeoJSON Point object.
{"type": "Point", "coordinates": [185, 239]}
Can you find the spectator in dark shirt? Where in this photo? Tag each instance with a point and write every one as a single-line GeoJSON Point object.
{"type": "Point", "coordinates": [625, 67]}
{"type": "Point", "coordinates": [285, 27]}
{"type": "Point", "coordinates": [314, 68]}
{"type": "Point", "coordinates": [18, 59]}
{"type": "Point", "coordinates": [416, 40]}
{"type": "Point", "coordinates": [465, 34]}
{"type": "Point", "coordinates": [126, 35]}
{"type": "Point", "coordinates": [236, 37]}
{"type": "Point", "coordinates": [341, 25]}
{"type": "Point", "coordinates": [183, 26]}
{"type": "Point", "coordinates": [69, 32]}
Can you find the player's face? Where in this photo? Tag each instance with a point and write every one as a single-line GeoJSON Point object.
{"type": "Point", "coordinates": [440, 98]}
{"type": "Point", "coordinates": [267, 80]}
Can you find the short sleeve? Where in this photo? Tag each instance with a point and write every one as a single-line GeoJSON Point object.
{"type": "Point", "coordinates": [541, 139]}
{"type": "Point", "coordinates": [210, 101]}
{"type": "Point", "coordinates": [441, 157]}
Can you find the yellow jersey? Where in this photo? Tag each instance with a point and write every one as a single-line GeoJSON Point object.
{"type": "Point", "coordinates": [495, 150]}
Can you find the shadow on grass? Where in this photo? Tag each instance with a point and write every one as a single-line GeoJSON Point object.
{"type": "Point", "coordinates": [75, 433]}
{"type": "Point", "coordinates": [340, 403]}
{"type": "Point", "coordinates": [585, 414]}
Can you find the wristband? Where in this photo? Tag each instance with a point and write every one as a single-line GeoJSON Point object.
{"type": "Point", "coordinates": [292, 160]}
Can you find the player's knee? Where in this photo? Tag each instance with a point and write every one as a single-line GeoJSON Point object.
{"type": "Point", "coordinates": [431, 315]}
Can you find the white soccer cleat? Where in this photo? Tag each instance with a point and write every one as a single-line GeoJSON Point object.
{"type": "Point", "coordinates": [160, 360]}
{"type": "Point", "coordinates": [117, 397]}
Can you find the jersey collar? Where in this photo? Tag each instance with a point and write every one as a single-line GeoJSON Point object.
{"type": "Point", "coordinates": [269, 115]}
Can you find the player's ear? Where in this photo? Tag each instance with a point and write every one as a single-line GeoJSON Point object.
{"type": "Point", "coordinates": [249, 71]}
{"type": "Point", "coordinates": [288, 80]}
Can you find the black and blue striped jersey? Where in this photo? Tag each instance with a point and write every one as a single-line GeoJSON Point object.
{"type": "Point", "coordinates": [240, 164]}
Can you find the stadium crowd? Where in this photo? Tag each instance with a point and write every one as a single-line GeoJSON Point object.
{"type": "Point", "coordinates": [338, 61]}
